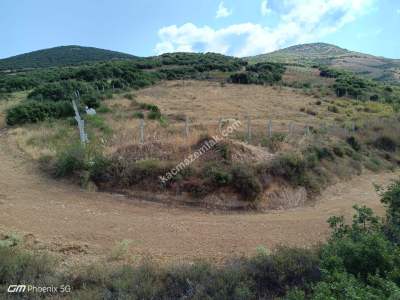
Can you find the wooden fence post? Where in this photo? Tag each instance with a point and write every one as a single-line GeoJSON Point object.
{"type": "Point", "coordinates": [141, 131]}
{"type": "Point", "coordinates": [290, 129]}
{"type": "Point", "coordinates": [220, 125]}
{"type": "Point", "coordinates": [307, 130]}
{"type": "Point", "coordinates": [186, 126]}
{"type": "Point", "coordinates": [269, 128]}
{"type": "Point", "coordinates": [248, 128]}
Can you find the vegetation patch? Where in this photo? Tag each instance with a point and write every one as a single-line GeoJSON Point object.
{"type": "Point", "coordinates": [260, 73]}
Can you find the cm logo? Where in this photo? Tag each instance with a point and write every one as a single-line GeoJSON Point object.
{"type": "Point", "coordinates": [16, 288]}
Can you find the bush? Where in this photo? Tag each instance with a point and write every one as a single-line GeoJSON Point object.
{"type": "Point", "coordinates": [154, 115]}
{"type": "Point", "coordinates": [354, 143]}
{"type": "Point", "coordinates": [290, 166]}
{"type": "Point", "coordinates": [138, 115]}
{"type": "Point", "coordinates": [32, 112]}
{"type": "Point", "coordinates": [246, 182]}
{"type": "Point", "coordinates": [61, 91]}
{"type": "Point", "coordinates": [217, 176]}
{"type": "Point", "coordinates": [333, 108]}
{"type": "Point", "coordinates": [274, 142]}
{"type": "Point", "coordinates": [260, 73]}
{"type": "Point", "coordinates": [23, 267]}
{"type": "Point", "coordinates": [70, 161]}
{"type": "Point", "coordinates": [391, 200]}
{"type": "Point", "coordinates": [286, 268]}
{"type": "Point", "coordinates": [385, 143]}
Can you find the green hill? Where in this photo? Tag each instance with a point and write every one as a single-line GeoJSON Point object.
{"type": "Point", "coordinates": [60, 56]}
{"type": "Point", "coordinates": [375, 67]}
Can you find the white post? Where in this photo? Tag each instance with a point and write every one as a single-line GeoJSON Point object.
{"type": "Point", "coordinates": [81, 123]}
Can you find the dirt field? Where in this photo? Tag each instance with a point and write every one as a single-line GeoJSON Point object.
{"type": "Point", "coordinates": [81, 225]}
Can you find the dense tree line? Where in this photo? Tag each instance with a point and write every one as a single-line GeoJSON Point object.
{"type": "Point", "coordinates": [353, 86]}
{"type": "Point", "coordinates": [60, 84]}
{"type": "Point", "coordinates": [260, 73]}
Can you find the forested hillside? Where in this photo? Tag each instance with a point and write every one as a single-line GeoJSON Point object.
{"type": "Point", "coordinates": [60, 56]}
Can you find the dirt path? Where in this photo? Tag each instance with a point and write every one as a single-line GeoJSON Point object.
{"type": "Point", "coordinates": [66, 219]}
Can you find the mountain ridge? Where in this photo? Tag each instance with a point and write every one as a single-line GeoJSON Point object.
{"type": "Point", "coordinates": [375, 67]}
{"type": "Point", "coordinates": [312, 54]}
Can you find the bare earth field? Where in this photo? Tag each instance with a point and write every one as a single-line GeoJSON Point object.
{"type": "Point", "coordinates": [79, 225]}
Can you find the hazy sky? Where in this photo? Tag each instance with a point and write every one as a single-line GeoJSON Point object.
{"type": "Point", "coordinates": [234, 27]}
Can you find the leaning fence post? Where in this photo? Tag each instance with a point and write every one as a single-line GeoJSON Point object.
{"type": "Point", "coordinates": [141, 131]}
{"type": "Point", "coordinates": [81, 123]}
{"type": "Point", "coordinates": [186, 126]}
{"type": "Point", "coordinates": [269, 128]}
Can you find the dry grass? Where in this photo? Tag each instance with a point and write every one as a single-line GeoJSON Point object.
{"type": "Point", "coordinates": [7, 103]}
{"type": "Point", "coordinates": [204, 102]}
{"type": "Point", "coordinates": [305, 75]}
{"type": "Point", "coordinates": [38, 140]}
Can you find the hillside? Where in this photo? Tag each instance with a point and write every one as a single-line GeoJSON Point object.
{"type": "Point", "coordinates": [60, 56]}
{"type": "Point", "coordinates": [375, 67]}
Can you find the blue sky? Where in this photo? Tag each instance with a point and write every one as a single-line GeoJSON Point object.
{"type": "Point", "coordinates": [233, 27]}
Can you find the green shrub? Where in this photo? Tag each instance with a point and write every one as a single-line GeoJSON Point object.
{"type": "Point", "coordinates": [390, 197]}
{"type": "Point", "coordinates": [103, 109]}
{"type": "Point", "coordinates": [97, 121]}
{"type": "Point", "coordinates": [224, 150]}
{"type": "Point", "coordinates": [338, 150]}
{"type": "Point", "coordinates": [333, 108]}
{"type": "Point", "coordinates": [197, 187]}
{"type": "Point", "coordinates": [70, 161]}
{"type": "Point", "coordinates": [290, 166]}
{"type": "Point", "coordinates": [138, 115]}
{"type": "Point", "coordinates": [354, 143]}
{"type": "Point", "coordinates": [32, 112]}
{"type": "Point", "coordinates": [217, 175]}
{"type": "Point", "coordinates": [260, 73]}
{"type": "Point", "coordinates": [286, 268]}
{"type": "Point", "coordinates": [246, 182]}
{"type": "Point", "coordinates": [274, 142]}
{"type": "Point", "coordinates": [129, 96]}
{"type": "Point", "coordinates": [22, 267]}
{"type": "Point", "coordinates": [61, 91]}
{"type": "Point", "coordinates": [373, 164]}
{"type": "Point", "coordinates": [154, 115]}
{"type": "Point", "coordinates": [385, 143]}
